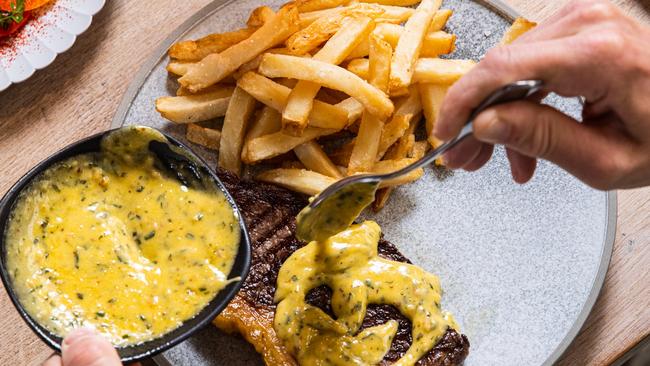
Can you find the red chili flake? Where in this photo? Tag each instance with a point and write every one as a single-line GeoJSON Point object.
{"type": "Point", "coordinates": [10, 46]}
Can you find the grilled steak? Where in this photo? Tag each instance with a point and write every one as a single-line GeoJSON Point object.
{"type": "Point", "coordinates": [269, 213]}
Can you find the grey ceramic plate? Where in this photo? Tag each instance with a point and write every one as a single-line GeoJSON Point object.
{"type": "Point", "coordinates": [521, 266]}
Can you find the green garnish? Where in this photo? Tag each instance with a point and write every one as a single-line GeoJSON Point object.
{"type": "Point", "coordinates": [16, 14]}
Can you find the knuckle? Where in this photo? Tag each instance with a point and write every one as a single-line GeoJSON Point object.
{"type": "Point", "coordinates": [608, 43]}
{"type": "Point", "coordinates": [498, 56]}
{"type": "Point", "coordinates": [594, 11]}
{"type": "Point", "coordinates": [610, 168]}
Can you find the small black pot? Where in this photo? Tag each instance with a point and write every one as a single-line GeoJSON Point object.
{"type": "Point", "coordinates": [155, 346]}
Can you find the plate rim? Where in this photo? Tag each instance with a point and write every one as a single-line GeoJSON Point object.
{"type": "Point", "coordinates": [498, 6]}
{"type": "Point", "coordinates": [75, 37]}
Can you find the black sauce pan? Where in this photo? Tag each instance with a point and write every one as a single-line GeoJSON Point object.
{"type": "Point", "coordinates": [189, 327]}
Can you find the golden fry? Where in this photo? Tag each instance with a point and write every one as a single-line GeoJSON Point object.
{"type": "Point", "coordinates": [392, 2]}
{"type": "Point", "coordinates": [278, 143]}
{"type": "Point", "coordinates": [331, 76]}
{"type": "Point", "coordinates": [194, 51]}
{"type": "Point", "coordinates": [206, 137]}
{"type": "Point", "coordinates": [299, 180]}
{"type": "Point", "coordinates": [217, 66]}
{"type": "Point", "coordinates": [240, 109]}
{"type": "Point", "coordinates": [305, 6]}
{"type": "Point", "coordinates": [253, 64]}
{"type": "Point", "coordinates": [438, 43]}
{"type": "Point", "coordinates": [379, 63]}
{"type": "Point", "coordinates": [274, 95]}
{"type": "Point", "coordinates": [434, 44]}
{"type": "Point", "coordinates": [314, 158]}
{"type": "Point", "coordinates": [323, 28]}
{"type": "Point", "coordinates": [266, 121]}
{"type": "Point", "coordinates": [353, 108]}
{"type": "Point", "coordinates": [195, 108]}
{"type": "Point", "coordinates": [391, 14]}
{"type": "Point", "coordinates": [408, 47]}
{"type": "Point", "coordinates": [432, 96]}
{"type": "Point", "coordinates": [427, 70]}
{"type": "Point", "coordinates": [259, 16]}
{"type": "Point", "coordinates": [441, 71]}
{"type": "Point", "coordinates": [519, 27]}
{"type": "Point", "coordinates": [439, 20]}
{"type": "Point", "coordinates": [420, 148]}
{"type": "Point", "coordinates": [301, 98]}
{"type": "Point", "coordinates": [178, 67]}
{"type": "Point", "coordinates": [366, 144]}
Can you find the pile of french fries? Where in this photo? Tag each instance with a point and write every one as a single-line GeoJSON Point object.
{"type": "Point", "coordinates": [319, 68]}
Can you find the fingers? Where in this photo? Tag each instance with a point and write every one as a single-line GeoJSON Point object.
{"type": "Point", "coordinates": [463, 153]}
{"type": "Point", "coordinates": [533, 130]}
{"type": "Point", "coordinates": [481, 159]}
{"type": "Point", "coordinates": [85, 347]}
{"type": "Point", "coordinates": [567, 66]}
{"type": "Point", "coordinates": [522, 167]}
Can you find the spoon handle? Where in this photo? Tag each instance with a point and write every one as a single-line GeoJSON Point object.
{"type": "Point", "coordinates": [508, 93]}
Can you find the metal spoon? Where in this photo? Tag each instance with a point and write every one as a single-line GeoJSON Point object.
{"type": "Point", "coordinates": [335, 208]}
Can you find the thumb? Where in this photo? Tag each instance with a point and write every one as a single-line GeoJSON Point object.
{"type": "Point", "coordinates": [536, 130]}
{"type": "Point", "coordinates": [86, 347]}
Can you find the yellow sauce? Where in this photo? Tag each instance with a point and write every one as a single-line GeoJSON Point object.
{"type": "Point", "coordinates": [335, 213]}
{"type": "Point", "coordinates": [348, 263]}
{"type": "Point", "coordinates": [107, 240]}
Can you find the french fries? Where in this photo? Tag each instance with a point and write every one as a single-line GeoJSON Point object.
{"type": "Point", "coordinates": [392, 2]}
{"type": "Point", "coordinates": [259, 16]}
{"type": "Point", "coordinates": [441, 71]}
{"type": "Point", "coordinates": [274, 95]}
{"type": "Point", "coordinates": [379, 62]}
{"type": "Point", "coordinates": [206, 137]}
{"type": "Point", "coordinates": [216, 66]}
{"type": "Point", "coordinates": [322, 29]}
{"type": "Point", "coordinates": [299, 180]}
{"type": "Point", "coordinates": [366, 145]}
{"type": "Point", "coordinates": [290, 62]}
{"type": "Point", "coordinates": [266, 121]}
{"type": "Point", "coordinates": [432, 96]}
{"type": "Point", "coordinates": [438, 43]}
{"type": "Point", "coordinates": [195, 108]}
{"type": "Point", "coordinates": [301, 98]}
{"type": "Point", "coordinates": [214, 43]}
{"type": "Point", "coordinates": [240, 109]}
{"type": "Point", "coordinates": [408, 47]}
{"type": "Point", "coordinates": [427, 70]}
{"type": "Point", "coordinates": [305, 6]}
{"type": "Point", "coordinates": [331, 76]}
{"type": "Point", "coordinates": [518, 27]}
{"type": "Point", "coordinates": [439, 20]}
{"type": "Point", "coordinates": [435, 43]}
{"type": "Point", "coordinates": [314, 158]}
{"type": "Point", "coordinates": [278, 143]}
{"type": "Point", "coordinates": [390, 14]}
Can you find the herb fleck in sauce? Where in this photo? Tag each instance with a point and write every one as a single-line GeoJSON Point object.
{"type": "Point", "coordinates": [348, 263]}
{"type": "Point", "coordinates": [95, 247]}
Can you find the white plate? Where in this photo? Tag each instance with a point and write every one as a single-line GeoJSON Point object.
{"type": "Point", "coordinates": [53, 31]}
{"type": "Point", "coordinates": [521, 265]}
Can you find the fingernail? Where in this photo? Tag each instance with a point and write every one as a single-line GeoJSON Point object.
{"type": "Point", "coordinates": [490, 128]}
{"type": "Point", "coordinates": [77, 335]}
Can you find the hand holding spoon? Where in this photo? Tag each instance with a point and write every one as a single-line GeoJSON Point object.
{"type": "Point", "coordinates": [335, 208]}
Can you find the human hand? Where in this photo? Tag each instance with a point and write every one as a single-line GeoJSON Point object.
{"type": "Point", "coordinates": [589, 48]}
{"type": "Point", "coordinates": [85, 347]}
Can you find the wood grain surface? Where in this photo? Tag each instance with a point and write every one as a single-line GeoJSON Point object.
{"type": "Point", "coordinates": [78, 94]}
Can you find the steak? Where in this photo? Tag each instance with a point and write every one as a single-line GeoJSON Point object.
{"type": "Point", "coordinates": [269, 213]}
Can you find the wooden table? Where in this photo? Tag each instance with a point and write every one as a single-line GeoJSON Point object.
{"type": "Point", "coordinates": [77, 95]}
